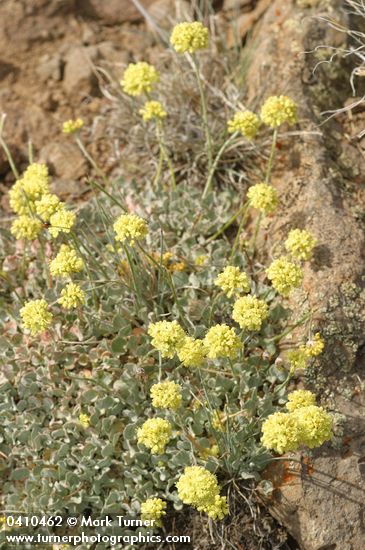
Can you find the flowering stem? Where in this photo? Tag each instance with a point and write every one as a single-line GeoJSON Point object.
{"type": "Point", "coordinates": [272, 155]}
{"type": "Point", "coordinates": [240, 227]}
{"type": "Point", "coordinates": [134, 276]}
{"type": "Point", "coordinates": [209, 142]}
{"type": "Point", "coordinates": [257, 228]}
{"type": "Point", "coordinates": [76, 243]}
{"type": "Point", "coordinates": [159, 167]}
{"type": "Point", "coordinates": [6, 149]}
{"type": "Point", "coordinates": [241, 210]}
{"type": "Point", "coordinates": [111, 197]}
{"type": "Point", "coordinates": [163, 153]}
{"type": "Point", "coordinates": [91, 160]}
{"type": "Point", "coordinates": [225, 145]}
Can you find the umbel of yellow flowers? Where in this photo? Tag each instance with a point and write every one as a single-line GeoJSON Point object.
{"type": "Point", "coordinates": [304, 424]}
{"type": "Point", "coordinates": [189, 37]}
{"type": "Point", "coordinates": [139, 78]}
{"type": "Point", "coordinates": [199, 488]}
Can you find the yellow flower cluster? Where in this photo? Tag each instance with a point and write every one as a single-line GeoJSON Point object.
{"type": "Point", "coordinates": [30, 188]}
{"type": "Point", "coordinates": [35, 316]}
{"type": "Point", "coordinates": [84, 419]}
{"type": "Point", "coordinates": [71, 296]}
{"type": "Point", "coordinates": [281, 432]}
{"type": "Point", "coordinates": [130, 227]}
{"type": "Point", "coordinates": [151, 110]}
{"type": "Point", "coordinates": [192, 352]}
{"type": "Point", "coordinates": [166, 395]}
{"type": "Point", "coordinates": [250, 312]}
{"type": "Point", "coordinates": [222, 341]}
{"type": "Point", "coordinates": [233, 281]}
{"type": "Point", "coordinates": [264, 197]}
{"type": "Point", "coordinates": [61, 221]}
{"type": "Point", "coordinates": [245, 122]}
{"type": "Point", "coordinates": [155, 433]}
{"type": "Point", "coordinates": [72, 126]}
{"type": "Point", "coordinates": [217, 420]}
{"type": "Point", "coordinates": [316, 425]}
{"type": "Point", "coordinates": [284, 275]}
{"type": "Point", "coordinates": [47, 205]}
{"type": "Point", "coordinates": [66, 262]}
{"type": "Point", "coordinates": [199, 488]}
{"type": "Point", "coordinates": [305, 425]}
{"type": "Point", "coordinates": [314, 347]}
{"type": "Point", "coordinates": [153, 509]}
{"type": "Point", "coordinates": [300, 398]}
{"type": "Point", "coordinates": [300, 244]}
{"type": "Point", "coordinates": [26, 227]}
{"type": "Point", "coordinates": [167, 337]}
{"type": "Point", "coordinates": [298, 359]}
{"type": "Point", "coordinates": [189, 37]}
{"type": "Point", "coordinates": [279, 109]}
{"type": "Point", "coordinates": [139, 78]}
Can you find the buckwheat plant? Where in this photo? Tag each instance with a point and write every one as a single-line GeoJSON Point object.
{"type": "Point", "coordinates": [145, 353]}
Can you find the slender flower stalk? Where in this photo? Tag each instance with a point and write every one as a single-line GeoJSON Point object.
{"type": "Point", "coordinates": [225, 146]}
{"type": "Point", "coordinates": [209, 141]}
{"type": "Point", "coordinates": [164, 156]}
{"type": "Point", "coordinates": [267, 180]}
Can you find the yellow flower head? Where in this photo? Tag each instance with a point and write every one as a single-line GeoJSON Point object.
{"type": "Point", "coordinates": [206, 452]}
{"type": "Point", "coordinates": [166, 395]}
{"type": "Point", "coordinates": [155, 433]}
{"type": "Point", "coordinates": [250, 312]}
{"type": "Point", "coordinates": [218, 509]}
{"type": "Point", "coordinates": [151, 110]}
{"type": "Point", "coordinates": [315, 346]}
{"type": "Point", "coordinates": [245, 122]}
{"type": "Point", "coordinates": [30, 188]}
{"type": "Point", "coordinates": [315, 425]}
{"type": "Point", "coordinates": [167, 337]}
{"type": "Point", "coordinates": [279, 109]}
{"type": "Point", "coordinates": [189, 37]}
{"type": "Point", "coordinates": [264, 197]}
{"type": "Point", "coordinates": [300, 244]}
{"type": "Point", "coordinates": [199, 488]}
{"type": "Point", "coordinates": [298, 359]}
{"type": "Point", "coordinates": [217, 420]}
{"type": "Point", "coordinates": [300, 398]}
{"type": "Point", "coordinates": [201, 260]}
{"type": "Point", "coordinates": [71, 296]}
{"type": "Point", "coordinates": [72, 126]}
{"type": "Point", "coordinates": [153, 509]}
{"type": "Point", "coordinates": [47, 205]}
{"type": "Point", "coordinates": [84, 419]}
{"type": "Point", "coordinates": [284, 275]}
{"type": "Point", "coordinates": [222, 341]}
{"type": "Point", "coordinates": [130, 227]}
{"type": "Point", "coordinates": [26, 227]}
{"type": "Point", "coordinates": [139, 78]}
{"type": "Point", "coordinates": [192, 352]}
{"type": "Point", "coordinates": [177, 267]}
{"type": "Point", "coordinates": [66, 262]}
{"type": "Point", "coordinates": [233, 281]}
{"type": "Point", "coordinates": [62, 221]}
{"type": "Point", "coordinates": [281, 432]}
{"type": "Point", "coordinates": [35, 316]}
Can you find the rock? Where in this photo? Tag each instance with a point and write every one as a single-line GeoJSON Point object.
{"type": "Point", "coordinates": [49, 68]}
{"type": "Point", "coordinates": [322, 506]}
{"type": "Point", "coordinates": [64, 159]}
{"type": "Point", "coordinates": [111, 12]}
{"type": "Point", "coordinates": [165, 13]}
{"type": "Point", "coordinates": [79, 77]}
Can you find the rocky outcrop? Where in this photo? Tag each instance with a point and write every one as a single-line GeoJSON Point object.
{"type": "Point", "coordinates": [321, 507]}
